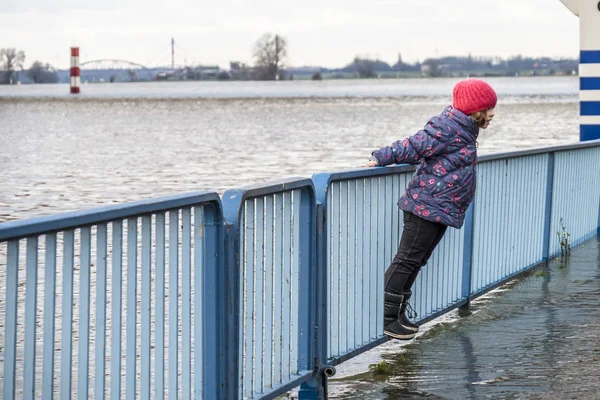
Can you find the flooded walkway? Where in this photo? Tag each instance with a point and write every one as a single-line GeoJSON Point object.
{"type": "Point", "coordinates": [535, 338]}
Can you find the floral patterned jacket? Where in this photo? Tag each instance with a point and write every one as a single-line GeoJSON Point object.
{"type": "Point", "coordinates": [444, 184]}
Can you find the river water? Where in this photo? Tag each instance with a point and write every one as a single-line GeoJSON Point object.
{"type": "Point", "coordinates": [125, 142]}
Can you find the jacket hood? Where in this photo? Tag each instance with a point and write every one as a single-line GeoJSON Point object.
{"type": "Point", "coordinates": [465, 122]}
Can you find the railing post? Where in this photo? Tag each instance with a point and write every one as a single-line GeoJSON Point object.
{"type": "Point", "coordinates": [308, 282]}
{"type": "Point", "coordinates": [214, 346]}
{"type": "Point", "coordinates": [316, 387]}
{"type": "Point", "coordinates": [467, 271]}
{"type": "Point", "coordinates": [548, 212]}
{"type": "Point", "coordinates": [231, 202]}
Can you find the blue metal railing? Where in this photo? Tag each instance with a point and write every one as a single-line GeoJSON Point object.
{"type": "Point", "coordinates": [272, 236]}
{"type": "Point", "coordinates": [182, 297]}
{"type": "Point", "coordinates": [180, 242]}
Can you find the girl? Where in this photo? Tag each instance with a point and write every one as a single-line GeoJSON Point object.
{"type": "Point", "coordinates": [438, 195]}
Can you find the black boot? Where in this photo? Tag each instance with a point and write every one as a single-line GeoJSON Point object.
{"type": "Point", "coordinates": [391, 324]}
{"type": "Point", "coordinates": [403, 318]}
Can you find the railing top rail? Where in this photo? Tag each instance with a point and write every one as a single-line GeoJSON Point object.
{"type": "Point", "coordinates": [236, 197]}
{"type": "Point", "coordinates": [53, 223]}
{"type": "Point", "coordinates": [538, 150]}
{"type": "Point", "coordinates": [324, 179]}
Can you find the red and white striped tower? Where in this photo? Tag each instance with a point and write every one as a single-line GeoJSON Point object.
{"type": "Point", "coordinates": [75, 72]}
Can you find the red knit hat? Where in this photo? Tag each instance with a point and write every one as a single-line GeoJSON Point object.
{"type": "Point", "coordinates": [472, 95]}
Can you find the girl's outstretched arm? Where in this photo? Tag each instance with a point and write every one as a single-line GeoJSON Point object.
{"type": "Point", "coordinates": [425, 143]}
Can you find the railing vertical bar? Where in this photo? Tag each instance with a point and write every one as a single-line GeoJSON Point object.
{"type": "Point", "coordinates": [396, 190]}
{"type": "Point", "coordinates": [548, 206]}
{"type": "Point", "coordinates": [287, 276]}
{"type": "Point", "coordinates": [517, 216]}
{"type": "Point", "coordinates": [542, 181]}
{"type": "Point", "coordinates": [481, 233]}
{"type": "Point", "coordinates": [492, 269]}
{"type": "Point", "coordinates": [540, 218]}
{"type": "Point", "coordinates": [360, 257]}
{"type": "Point", "coordinates": [31, 280]}
{"type": "Point", "coordinates": [116, 312]}
{"type": "Point", "coordinates": [528, 245]}
{"type": "Point", "coordinates": [485, 274]}
{"type": "Point", "coordinates": [445, 252]}
{"type": "Point", "coordinates": [344, 268]}
{"type": "Point", "coordinates": [259, 332]}
{"type": "Point", "coordinates": [373, 268]}
{"type": "Point", "coordinates": [173, 304]}
{"type": "Point", "coordinates": [526, 213]}
{"type": "Point", "coordinates": [467, 267]}
{"type": "Point", "coordinates": [277, 287]}
{"type": "Point", "coordinates": [295, 275]}
{"type": "Point", "coordinates": [146, 323]}
{"type": "Point", "coordinates": [269, 307]}
{"type": "Point", "coordinates": [159, 304]}
{"type": "Point", "coordinates": [366, 270]}
{"type": "Point", "coordinates": [390, 205]}
{"type": "Point", "coordinates": [453, 243]}
{"type": "Point", "coordinates": [492, 262]}
{"type": "Point", "coordinates": [503, 180]}
{"type": "Point", "coordinates": [504, 240]}
{"type": "Point", "coordinates": [84, 312]}
{"type": "Point", "coordinates": [329, 266]}
{"type": "Point", "coordinates": [186, 304]}
{"type": "Point", "coordinates": [353, 324]}
{"type": "Point", "coordinates": [497, 171]}
{"type": "Point", "coordinates": [10, 338]}
{"type": "Point", "coordinates": [334, 292]}
{"type": "Point", "coordinates": [49, 317]}
{"type": "Point", "coordinates": [200, 268]}
{"type": "Point", "coordinates": [495, 214]}
{"type": "Point", "coordinates": [247, 243]}
{"type": "Point", "coordinates": [530, 225]}
{"type": "Point", "coordinates": [453, 272]}
{"type": "Point", "coordinates": [100, 358]}
{"type": "Point", "coordinates": [131, 343]}
{"type": "Point", "coordinates": [381, 256]}
{"type": "Point", "coordinates": [66, 351]}
{"type": "Point", "coordinates": [535, 216]}
{"type": "Point", "coordinates": [478, 240]}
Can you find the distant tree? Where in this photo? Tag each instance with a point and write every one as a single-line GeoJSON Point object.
{"type": "Point", "coordinates": [317, 76]}
{"type": "Point", "coordinates": [270, 54]}
{"type": "Point", "coordinates": [42, 73]}
{"type": "Point", "coordinates": [364, 67]}
{"type": "Point", "coordinates": [432, 67]}
{"type": "Point", "coordinates": [11, 60]}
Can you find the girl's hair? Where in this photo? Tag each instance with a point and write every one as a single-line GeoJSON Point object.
{"type": "Point", "coordinates": [479, 118]}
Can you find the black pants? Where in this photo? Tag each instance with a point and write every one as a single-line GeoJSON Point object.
{"type": "Point", "coordinates": [419, 238]}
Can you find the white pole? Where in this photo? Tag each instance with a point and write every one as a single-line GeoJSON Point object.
{"type": "Point", "coordinates": [589, 69]}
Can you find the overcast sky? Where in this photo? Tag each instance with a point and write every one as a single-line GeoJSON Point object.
{"type": "Point", "coordinates": [320, 32]}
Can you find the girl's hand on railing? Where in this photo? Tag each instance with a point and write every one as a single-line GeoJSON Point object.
{"type": "Point", "coordinates": [372, 164]}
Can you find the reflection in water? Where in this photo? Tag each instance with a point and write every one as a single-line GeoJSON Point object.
{"type": "Point", "coordinates": [539, 339]}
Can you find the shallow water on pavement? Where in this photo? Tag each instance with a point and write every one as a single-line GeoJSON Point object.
{"type": "Point", "coordinates": [534, 338]}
